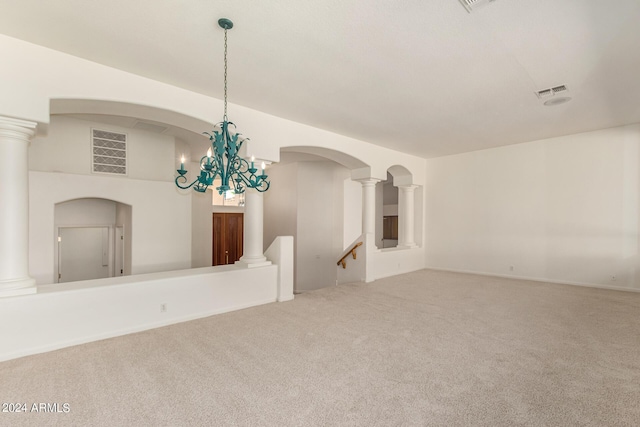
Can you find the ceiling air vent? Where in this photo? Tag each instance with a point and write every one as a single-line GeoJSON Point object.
{"type": "Point", "coordinates": [554, 95]}
{"type": "Point", "coordinates": [475, 4]}
{"type": "Point", "coordinates": [546, 93]}
{"type": "Point", "coordinates": [109, 152]}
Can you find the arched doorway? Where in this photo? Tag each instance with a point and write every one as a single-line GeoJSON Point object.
{"type": "Point", "coordinates": [313, 198]}
{"type": "Point", "coordinates": [93, 239]}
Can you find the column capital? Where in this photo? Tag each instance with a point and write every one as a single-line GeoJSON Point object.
{"type": "Point", "coordinates": [368, 182]}
{"type": "Point", "coordinates": [17, 129]}
{"type": "Point", "coordinates": [407, 187]}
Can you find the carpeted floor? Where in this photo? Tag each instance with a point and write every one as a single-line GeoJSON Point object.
{"type": "Point", "coordinates": [425, 348]}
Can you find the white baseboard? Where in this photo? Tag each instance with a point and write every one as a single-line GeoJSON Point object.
{"type": "Point", "coordinates": [536, 279]}
{"type": "Point", "coordinates": [397, 273]}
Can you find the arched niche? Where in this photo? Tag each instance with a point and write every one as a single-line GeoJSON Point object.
{"type": "Point", "coordinates": [394, 211]}
{"type": "Point", "coordinates": [386, 213]}
{"type": "Point", "coordinates": [92, 239]}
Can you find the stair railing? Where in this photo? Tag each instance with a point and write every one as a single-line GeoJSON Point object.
{"type": "Point", "coordinates": [352, 251]}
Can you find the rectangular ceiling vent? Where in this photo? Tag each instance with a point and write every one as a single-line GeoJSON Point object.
{"type": "Point", "coordinates": [546, 93]}
{"type": "Point", "coordinates": [470, 5]}
{"type": "Point", "coordinates": [150, 127]}
{"type": "Point", "coordinates": [109, 152]}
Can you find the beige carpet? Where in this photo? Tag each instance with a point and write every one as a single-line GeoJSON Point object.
{"type": "Point", "coordinates": [425, 348]}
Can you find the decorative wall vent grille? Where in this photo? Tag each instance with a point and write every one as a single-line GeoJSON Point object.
{"type": "Point", "coordinates": [109, 152]}
{"type": "Point", "coordinates": [475, 4]}
{"type": "Point", "coordinates": [545, 93]}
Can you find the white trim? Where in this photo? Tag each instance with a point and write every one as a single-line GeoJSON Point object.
{"type": "Point", "coordinates": [398, 272]}
{"type": "Point", "coordinates": [4, 120]}
{"type": "Point", "coordinates": [536, 279]}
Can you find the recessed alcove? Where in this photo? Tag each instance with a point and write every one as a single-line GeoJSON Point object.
{"type": "Point", "coordinates": [92, 239]}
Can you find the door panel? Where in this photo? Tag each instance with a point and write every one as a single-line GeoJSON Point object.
{"type": "Point", "coordinates": [227, 237]}
{"type": "Point", "coordinates": [218, 240]}
{"type": "Point", "coordinates": [234, 233]}
{"type": "Point", "coordinates": [83, 253]}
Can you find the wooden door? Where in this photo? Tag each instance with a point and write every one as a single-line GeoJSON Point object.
{"type": "Point", "coordinates": [227, 237]}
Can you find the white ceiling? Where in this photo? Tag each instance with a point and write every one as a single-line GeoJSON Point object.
{"type": "Point", "coordinates": [420, 76]}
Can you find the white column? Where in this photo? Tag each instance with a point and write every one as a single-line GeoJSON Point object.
{"type": "Point", "coordinates": [253, 253]}
{"type": "Point", "coordinates": [369, 205]}
{"type": "Point", "coordinates": [14, 207]}
{"type": "Point", "coordinates": [406, 215]}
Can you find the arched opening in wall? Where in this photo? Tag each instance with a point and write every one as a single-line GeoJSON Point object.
{"type": "Point", "coordinates": [395, 209]}
{"type": "Point", "coordinates": [169, 224]}
{"type": "Point", "coordinates": [92, 239]}
{"type": "Point", "coordinates": [313, 198]}
{"type": "Point", "coordinates": [386, 213]}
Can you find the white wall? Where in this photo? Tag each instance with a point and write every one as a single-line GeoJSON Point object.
{"type": "Point", "coordinates": [307, 200]}
{"type": "Point", "coordinates": [67, 148]}
{"type": "Point", "coordinates": [394, 261]}
{"type": "Point", "coordinates": [281, 203]}
{"type": "Point", "coordinates": [352, 215]}
{"type": "Point", "coordinates": [564, 209]}
{"type": "Point", "coordinates": [161, 219]}
{"type": "Point", "coordinates": [389, 193]}
{"type": "Point", "coordinates": [159, 233]}
{"type": "Point", "coordinates": [85, 212]}
{"type": "Point", "coordinates": [319, 235]}
{"type": "Point", "coordinates": [73, 313]}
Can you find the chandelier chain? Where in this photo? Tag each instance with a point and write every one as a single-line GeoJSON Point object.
{"type": "Point", "coordinates": [223, 163]}
{"type": "Point", "coordinates": [225, 74]}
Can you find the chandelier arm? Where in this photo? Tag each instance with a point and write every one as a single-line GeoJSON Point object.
{"type": "Point", "coordinates": [258, 182]}
{"type": "Point", "coordinates": [184, 180]}
{"type": "Point", "coordinates": [264, 186]}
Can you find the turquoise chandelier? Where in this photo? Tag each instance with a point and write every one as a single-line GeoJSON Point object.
{"type": "Point", "coordinates": [222, 159]}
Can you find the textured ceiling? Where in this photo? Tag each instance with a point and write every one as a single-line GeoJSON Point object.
{"type": "Point", "coordinates": [420, 76]}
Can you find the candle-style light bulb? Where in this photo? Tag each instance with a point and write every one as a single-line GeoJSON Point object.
{"type": "Point", "coordinates": [252, 160]}
{"type": "Point", "coordinates": [209, 152]}
{"type": "Point", "coordinates": [262, 168]}
{"type": "Point", "coordinates": [182, 162]}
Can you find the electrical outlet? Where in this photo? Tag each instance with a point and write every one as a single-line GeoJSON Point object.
{"type": "Point", "coordinates": [163, 307]}
{"type": "Point", "coordinates": [511, 268]}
